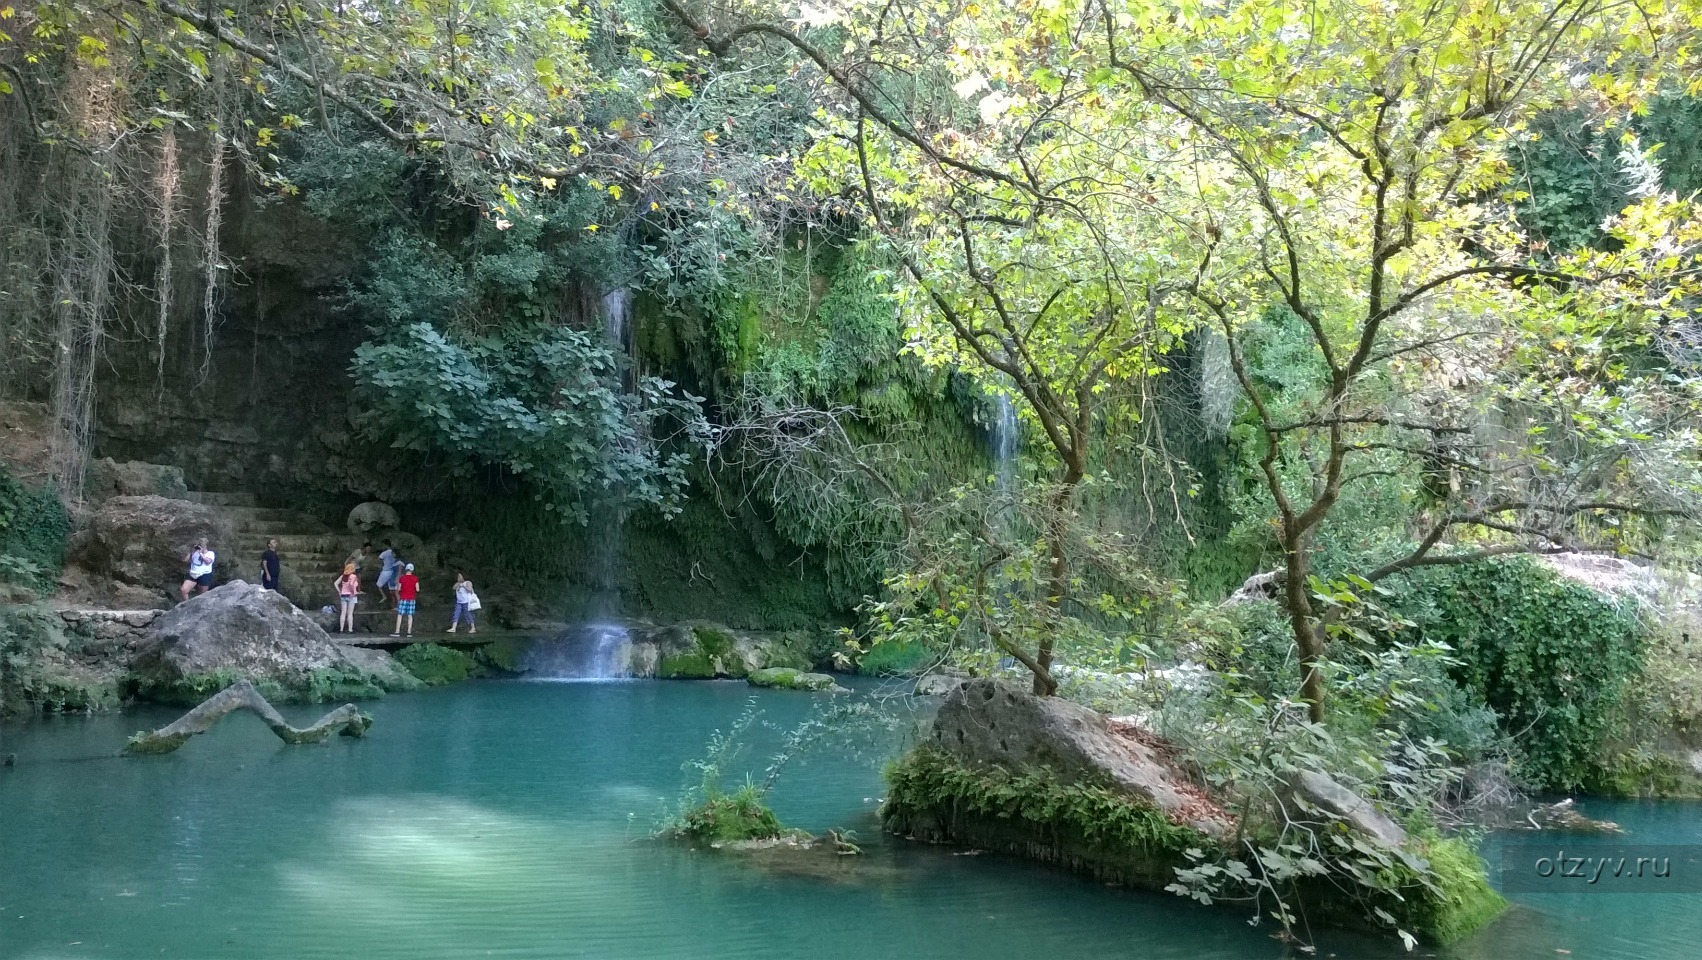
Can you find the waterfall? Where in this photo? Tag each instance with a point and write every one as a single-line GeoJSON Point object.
{"type": "Point", "coordinates": [598, 649]}
{"type": "Point", "coordinates": [617, 312]}
{"type": "Point", "coordinates": [592, 651]}
{"type": "Point", "coordinates": [1007, 437]}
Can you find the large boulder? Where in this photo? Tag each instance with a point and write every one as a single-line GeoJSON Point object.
{"type": "Point", "coordinates": [372, 517]}
{"type": "Point", "coordinates": [140, 542]}
{"type": "Point", "coordinates": [988, 723]}
{"type": "Point", "coordinates": [1337, 804]}
{"type": "Point", "coordinates": [240, 632]}
{"type": "Point", "coordinates": [134, 478]}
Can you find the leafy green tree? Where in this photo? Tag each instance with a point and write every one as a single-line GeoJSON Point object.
{"type": "Point", "coordinates": [1072, 186]}
{"type": "Point", "coordinates": [544, 403]}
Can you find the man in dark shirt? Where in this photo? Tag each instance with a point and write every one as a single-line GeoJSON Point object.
{"type": "Point", "coordinates": [270, 566]}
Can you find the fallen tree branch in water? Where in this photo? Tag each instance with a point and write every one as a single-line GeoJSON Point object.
{"type": "Point", "coordinates": [346, 719]}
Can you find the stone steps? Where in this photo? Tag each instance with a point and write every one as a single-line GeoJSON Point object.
{"type": "Point", "coordinates": [296, 544]}
{"type": "Point", "coordinates": [219, 499]}
{"type": "Point", "coordinates": [273, 520]}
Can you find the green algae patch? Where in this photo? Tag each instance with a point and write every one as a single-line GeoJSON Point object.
{"type": "Point", "coordinates": [694, 665]}
{"type": "Point", "coordinates": [436, 665]}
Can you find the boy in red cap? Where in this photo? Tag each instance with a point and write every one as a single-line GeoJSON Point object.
{"type": "Point", "coordinates": [407, 594]}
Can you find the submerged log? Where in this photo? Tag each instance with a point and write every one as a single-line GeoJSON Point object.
{"type": "Point", "coordinates": [346, 720]}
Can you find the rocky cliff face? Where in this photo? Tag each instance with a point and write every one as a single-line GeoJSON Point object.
{"type": "Point", "coordinates": [257, 400]}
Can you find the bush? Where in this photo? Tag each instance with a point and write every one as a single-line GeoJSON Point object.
{"type": "Point", "coordinates": [1552, 657]}
{"type": "Point", "coordinates": [740, 815]}
{"type": "Point", "coordinates": [34, 525]}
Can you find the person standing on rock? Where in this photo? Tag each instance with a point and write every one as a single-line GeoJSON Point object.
{"type": "Point", "coordinates": [407, 594]}
{"type": "Point", "coordinates": [271, 568]}
{"type": "Point", "coordinates": [348, 595]}
{"type": "Point", "coordinates": [387, 573]}
{"type": "Point", "coordinates": [200, 578]}
{"type": "Point", "coordinates": [466, 602]}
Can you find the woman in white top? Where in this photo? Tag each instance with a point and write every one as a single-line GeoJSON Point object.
{"type": "Point", "coordinates": [466, 602]}
{"type": "Point", "coordinates": [200, 578]}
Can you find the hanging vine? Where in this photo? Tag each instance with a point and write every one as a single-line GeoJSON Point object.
{"type": "Point", "coordinates": [212, 259]}
{"type": "Point", "coordinates": [166, 183]}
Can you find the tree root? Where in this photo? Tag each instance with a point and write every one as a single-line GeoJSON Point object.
{"type": "Point", "coordinates": [346, 719]}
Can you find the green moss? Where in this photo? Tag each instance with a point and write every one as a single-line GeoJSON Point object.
{"type": "Point", "coordinates": [319, 686]}
{"type": "Point", "coordinates": [1106, 833]}
{"type": "Point", "coordinates": [145, 743]}
{"type": "Point", "coordinates": [1084, 826]}
{"type": "Point", "coordinates": [786, 678]}
{"type": "Point", "coordinates": [695, 665]}
{"type": "Point", "coordinates": [774, 677]}
{"type": "Point", "coordinates": [713, 640]}
{"type": "Point", "coordinates": [436, 664]}
{"type": "Point", "coordinates": [1461, 902]}
{"type": "Point", "coordinates": [37, 671]}
{"type": "Point", "coordinates": [323, 686]}
{"type": "Point", "coordinates": [503, 655]}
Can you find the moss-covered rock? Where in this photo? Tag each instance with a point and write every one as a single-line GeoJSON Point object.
{"type": "Point", "coordinates": [502, 655]}
{"type": "Point", "coordinates": [436, 665]}
{"type": "Point", "coordinates": [691, 665]}
{"type": "Point", "coordinates": [726, 817]}
{"type": "Point", "coordinates": [50, 667]}
{"type": "Point", "coordinates": [1052, 781]}
{"type": "Point", "coordinates": [786, 678]}
{"type": "Point", "coordinates": [698, 650]}
{"type": "Point", "coordinates": [1092, 828]}
{"type": "Point", "coordinates": [239, 632]}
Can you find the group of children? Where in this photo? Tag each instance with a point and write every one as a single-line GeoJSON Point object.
{"type": "Point", "coordinates": [397, 581]}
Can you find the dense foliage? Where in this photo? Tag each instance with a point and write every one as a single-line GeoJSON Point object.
{"type": "Point", "coordinates": [543, 403]}
{"type": "Point", "coordinates": [1553, 658]}
{"type": "Point", "coordinates": [1427, 277]}
{"type": "Point", "coordinates": [33, 528]}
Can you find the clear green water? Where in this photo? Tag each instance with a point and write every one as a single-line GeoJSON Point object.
{"type": "Point", "coordinates": [512, 820]}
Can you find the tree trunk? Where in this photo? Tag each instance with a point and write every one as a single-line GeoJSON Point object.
{"type": "Point", "coordinates": [1058, 576]}
{"type": "Point", "coordinates": [1308, 634]}
{"type": "Point", "coordinates": [346, 719]}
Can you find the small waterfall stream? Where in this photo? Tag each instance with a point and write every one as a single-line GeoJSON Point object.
{"type": "Point", "coordinates": [591, 651]}
{"type": "Point", "coordinates": [1007, 439]}
{"type": "Point", "coordinates": [597, 649]}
